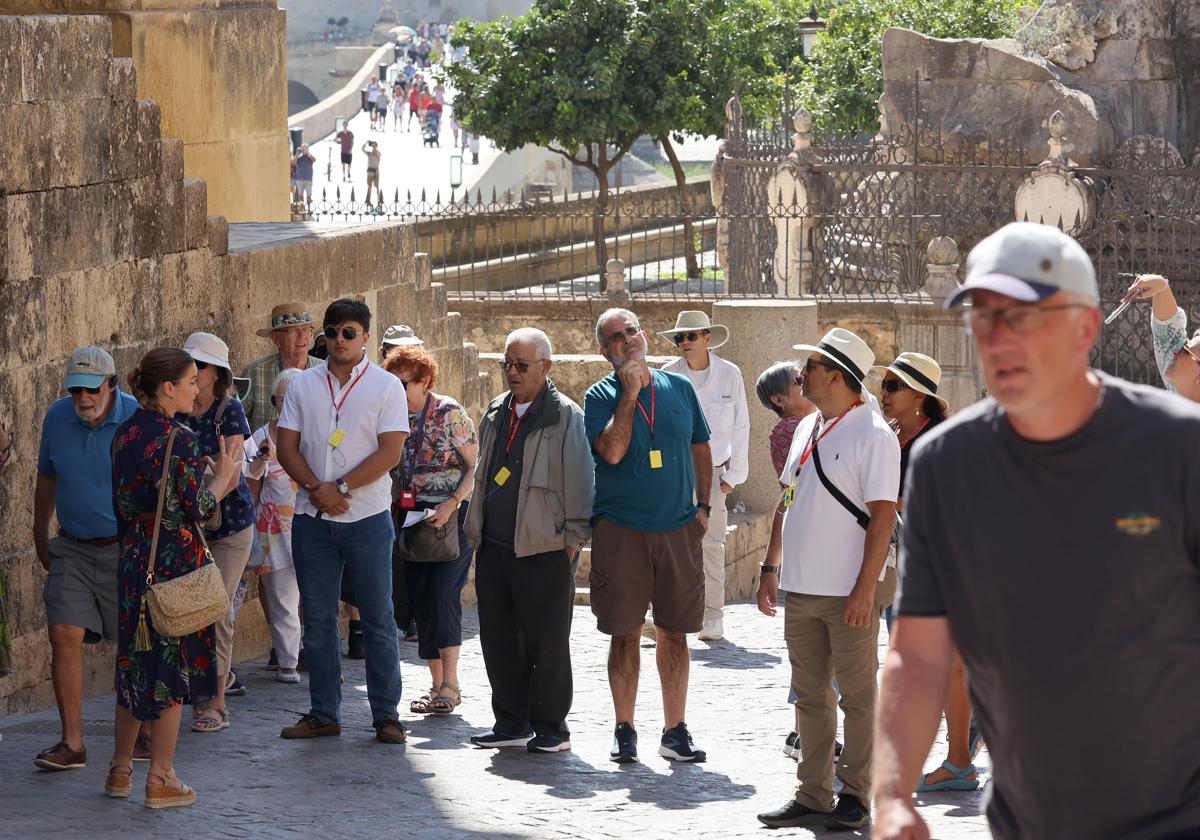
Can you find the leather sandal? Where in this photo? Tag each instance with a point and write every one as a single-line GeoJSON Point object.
{"type": "Point", "coordinates": [420, 706]}
{"type": "Point", "coordinates": [444, 703]}
{"type": "Point", "coordinates": [211, 719]}
{"type": "Point", "coordinates": [168, 795]}
{"type": "Point", "coordinates": [119, 785]}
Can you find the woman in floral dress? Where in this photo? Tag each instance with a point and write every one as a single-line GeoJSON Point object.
{"type": "Point", "coordinates": [155, 675]}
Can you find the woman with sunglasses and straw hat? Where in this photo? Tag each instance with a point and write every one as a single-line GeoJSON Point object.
{"type": "Point", "coordinates": [217, 412]}
{"type": "Point", "coordinates": [909, 399]}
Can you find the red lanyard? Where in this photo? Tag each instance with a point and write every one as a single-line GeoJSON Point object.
{"type": "Point", "coordinates": [814, 440]}
{"type": "Point", "coordinates": [337, 406]}
{"type": "Point", "coordinates": [512, 427]}
{"type": "Point", "coordinates": [913, 436]}
{"type": "Point", "coordinates": [649, 417]}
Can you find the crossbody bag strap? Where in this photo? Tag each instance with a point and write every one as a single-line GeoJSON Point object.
{"type": "Point", "coordinates": [162, 498]}
{"type": "Point", "coordinates": [860, 516]}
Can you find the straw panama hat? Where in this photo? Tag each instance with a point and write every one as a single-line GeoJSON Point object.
{"type": "Point", "coordinates": [693, 321]}
{"type": "Point", "coordinates": [287, 315]}
{"type": "Point", "coordinates": [919, 372]}
{"type": "Point", "coordinates": [844, 349]}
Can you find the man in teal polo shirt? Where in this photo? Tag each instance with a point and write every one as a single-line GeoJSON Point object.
{"type": "Point", "coordinates": [650, 443]}
{"type": "Point", "coordinates": [74, 482]}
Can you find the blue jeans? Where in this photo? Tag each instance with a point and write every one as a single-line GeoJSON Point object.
{"type": "Point", "coordinates": [320, 549]}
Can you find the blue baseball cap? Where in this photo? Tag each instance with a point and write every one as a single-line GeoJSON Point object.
{"type": "Point", "coordinates": [88, 367]}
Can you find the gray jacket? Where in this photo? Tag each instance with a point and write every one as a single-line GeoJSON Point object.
{"type": "Point", "coordinates": [558, 478]}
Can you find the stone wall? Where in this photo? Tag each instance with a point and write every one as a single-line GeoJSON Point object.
{"type": "Point", "coordinates": [103, 241]}
{"type": "Point", "coordinates": [218, 73]}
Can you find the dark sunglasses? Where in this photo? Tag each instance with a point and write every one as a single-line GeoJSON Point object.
{"type": "Point", "coordinates": [348, 333]}
{"type": "Point", "coordinates": [201, 365]}
{"type": "Point", "coordinates": [79, 389]}
{"type": "Point", "coordinates": [688, 336]}
{"type": "Point", "coordinates": [522, 367]}
{"type": "Point", "coordinates": [798, 379]}
{"type": "Point", "coordinates": [892, 385]}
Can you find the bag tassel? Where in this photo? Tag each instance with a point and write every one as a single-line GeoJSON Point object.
{"type": "Point", "coordinates": [141, 637]}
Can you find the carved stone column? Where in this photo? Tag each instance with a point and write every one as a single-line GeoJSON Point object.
{"type": "Point", "coordinates": [791, 194]}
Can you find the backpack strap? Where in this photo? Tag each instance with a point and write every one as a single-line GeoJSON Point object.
{"type": "Point", "coordinates": [860, 516]}
{"type": "Point", "coordinates": [220, 415]}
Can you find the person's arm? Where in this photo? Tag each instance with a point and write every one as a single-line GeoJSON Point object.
{"type": "Point", "coordinates": [768, 582]}
{"type": "Point", "coordinates": [739, 460]}
{"type": "Point", "coordinates": [879, 533]}
{"type": "Point", "coordinates": [916, 673]}
{"type": "Point", "coordinates": [578, 482]}
{"type": "Point", "coordinates": [470, 456]}
{"type": "Point", "coordinates": [703, 466]}
{"type": "Point", "coordinates": [375, 465]}
{"type": "Point", "coordinates": [43, 509]}
{"type": "Point", "coordinates": [613, 442]}
{"type": "Point", "coordinates": [323, 494]}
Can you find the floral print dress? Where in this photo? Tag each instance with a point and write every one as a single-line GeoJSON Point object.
{"type": "Point", "coordinates": [1169, 336]}
{"type": "Point", "coordinates": [172, 670]}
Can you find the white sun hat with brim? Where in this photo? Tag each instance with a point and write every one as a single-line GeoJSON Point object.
{"type": "Point", "coordinates": [207, 348]}
{"type": "Point", "coordinates": [1028, 262]}
{"type": "Point", "coordinates": [401, 335]}
{"type": "Point", "coordinates": [844, 349]}
{"type": "Point", "coordinates": [692, 321]}
{"type": "Point", "coordinates": [919, 372]}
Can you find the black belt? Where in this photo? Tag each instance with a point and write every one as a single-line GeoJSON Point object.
{"type": "Point", "coordinates": [99, 542]}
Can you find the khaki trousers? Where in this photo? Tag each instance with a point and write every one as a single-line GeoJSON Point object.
{"type": "Point", "coordinates": [714, 552]}
{"type": "Point", "coordinates": [231, 554]}
{"type": "Point", "coordinates": [821, 645]}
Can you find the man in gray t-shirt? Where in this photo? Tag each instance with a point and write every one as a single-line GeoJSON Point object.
{"type": "Point", "coordinates": [1049, 533]}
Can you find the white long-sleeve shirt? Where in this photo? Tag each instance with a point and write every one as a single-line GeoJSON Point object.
{"type": "Point", "coordinates": [722, 394]}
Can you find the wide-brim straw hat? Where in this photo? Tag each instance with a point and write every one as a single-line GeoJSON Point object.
{"type": "Point", "coordinates": [693, 321]}
{"type": "Point", "coordinates": [919, 372]}
{"type": "Point", "coordinates": [285, 316]}
{"type": "Point", "coordinates": [844, 349]}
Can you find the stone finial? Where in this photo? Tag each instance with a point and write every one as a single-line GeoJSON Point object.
{"type": "Point", "coordinates": [733, 109]}
{"type": "Point", "coordinates": [614, 276]}
{"type": "Point", "coordinates": [802, 139]}
{"type": "Point", "coordinates": [1059, 147]}
{"type": "Point", "coordinates": [942, 250]}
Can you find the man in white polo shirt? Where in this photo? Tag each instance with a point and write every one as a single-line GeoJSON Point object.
{"type": "Point", "coordinates": [342, 427]}
{"type": "Point", "coordinates": [722, 395]}
{"type": "Point", "coordinates": [830, 535]}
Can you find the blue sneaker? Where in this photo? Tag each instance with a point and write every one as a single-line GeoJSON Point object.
{"type": "Point", "coordinates": [499, 740]}
{"type": "Point", "coordinates": [233, 686]}
{"type": "Point", "coordinates": [677, 745]}
{"type": "Point", "coordinates": [624, 748]}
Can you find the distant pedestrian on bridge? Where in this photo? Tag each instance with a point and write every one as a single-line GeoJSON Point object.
{"type": "Point", "coordinates": [346, 138]}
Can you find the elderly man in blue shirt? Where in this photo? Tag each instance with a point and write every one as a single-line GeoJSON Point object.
{"type": "Point", "coordinates": [74, 483]}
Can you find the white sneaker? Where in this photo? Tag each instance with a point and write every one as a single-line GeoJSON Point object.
{"type": "Point", "coordinates": [290, 677]}
{"type": "Point", "coordinates": [712, 631]}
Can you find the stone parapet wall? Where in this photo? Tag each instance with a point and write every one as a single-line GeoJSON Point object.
{"type": "Point", "coordinates": [103, 241]}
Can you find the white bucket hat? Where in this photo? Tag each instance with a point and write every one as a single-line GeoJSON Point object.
{"type": "Point", "coordinates": [844, 349]}
{"type": "Point", "coordinates": [401, 335]}
{"type": "Point", "coordinates": [693, 321]}
{"type": "Point", "coordinates": [207, 348]}
{"type": "Point", "coordinates": [919, 372]}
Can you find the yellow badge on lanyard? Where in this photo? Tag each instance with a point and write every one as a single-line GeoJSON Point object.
{"type": "Point", "coordinates": [789, 495]}
{"type": "Point", "coordinates": [335, 439]}
{"type": "Point", "coordinates": [502, 476]}
{"type": "Point", "coordinates": [656, 459]}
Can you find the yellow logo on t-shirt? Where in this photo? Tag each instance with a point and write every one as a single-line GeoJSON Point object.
{"type": "Point", "coordinates": [1138, 524]}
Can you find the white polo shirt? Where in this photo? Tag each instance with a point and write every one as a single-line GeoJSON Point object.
{"type": "Point", "coordinates": [370, 403]}
{"type": "Point", "coordinates": [822, 543]}
{"type": "Point", "coordinates": [722, 394]}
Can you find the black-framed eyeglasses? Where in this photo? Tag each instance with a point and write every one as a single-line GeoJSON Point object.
{"type": "Point", "coordinates": [1022, 320]}
{"type": "Point", "coordinates": [522, 367]}
{"type": "Point", "coordinates": [625, 335]}
{"type": "Point", "coordinates": [76, 390]}
{"type": "Point", "coordinates": [200, 365]}
{"type": "Point", "coordinates": [688, 336]}
{"type": "Point", "coordinates": [812, 364]}
{"type": "Point", "coordinates": [892, 385]}
{"type": "Point", "coordinates": [348, 333]}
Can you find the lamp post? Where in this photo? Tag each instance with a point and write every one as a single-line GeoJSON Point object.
{"type": "Point", "coordinates": [810, 27]}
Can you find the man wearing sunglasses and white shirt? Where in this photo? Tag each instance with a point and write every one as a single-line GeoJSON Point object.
{"type": "Point", "coordinates": [722, 395]}
{"type": "Point", "coordinates": [74, 483]}
{"type": "Point", "coordinates": [1051, 531]}
{"type": "Point", "coordinates": [341, 429]}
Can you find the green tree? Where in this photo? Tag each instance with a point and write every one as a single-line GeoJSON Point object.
{"type": "Point", "coordinates": [583, 78]}
{"type": "Point", "coordinates": [843, 77]}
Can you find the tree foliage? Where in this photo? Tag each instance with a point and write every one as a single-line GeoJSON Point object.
{"type": "Point", "coordinates": [843, 77]}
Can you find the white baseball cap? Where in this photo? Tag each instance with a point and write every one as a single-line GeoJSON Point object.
{"type": "Point", "coordinates": [1027, 261]}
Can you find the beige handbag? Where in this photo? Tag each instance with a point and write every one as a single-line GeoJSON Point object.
{"type": "Point", "coordinates": [189, 603]}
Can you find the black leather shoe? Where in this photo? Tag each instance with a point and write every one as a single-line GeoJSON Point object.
{"type": "Point", "coordinates": [848, 815]}
{"type": "Point", "coordinates": [790, 815]}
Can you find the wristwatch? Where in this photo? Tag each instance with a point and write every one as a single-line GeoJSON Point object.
{"type": "Point", "coordinates": [704, 506]}
{"type": "Point", "coordinates": [342, 486]}
{"type": "Point", "coordinates": [768, 570]}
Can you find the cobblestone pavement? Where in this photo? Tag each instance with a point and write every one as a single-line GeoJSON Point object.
{"type": "Point", "coordinates": [254, 784]}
